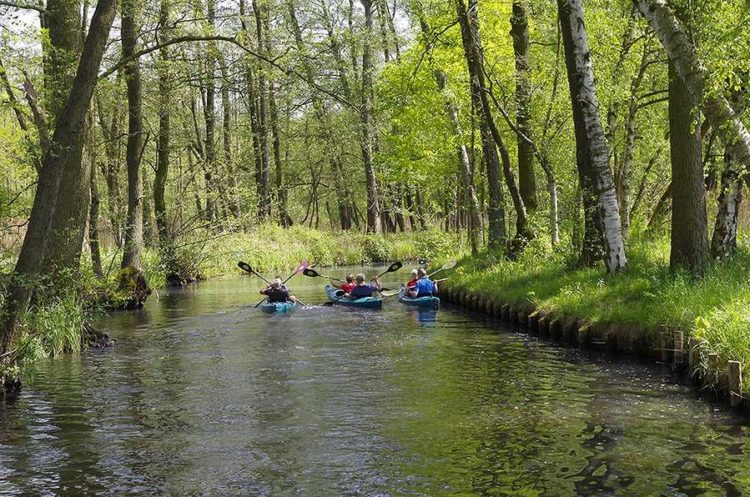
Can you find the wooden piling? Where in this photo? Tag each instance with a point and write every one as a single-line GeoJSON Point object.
{"type": "Point", "coordinates": [678, 348]}
{"type": "Point", "coordinates": [734, 371]}
{"type": "Point", "coordinates": [555, 328]}
{"type": "Point", "coordinates": [543, 325]}
{"type": "Point", "coordinates": [505, 312]}
{"type": "Point", "coordinates": [531, 322]}
{"type": "Point", "coordinates": [663, 344]}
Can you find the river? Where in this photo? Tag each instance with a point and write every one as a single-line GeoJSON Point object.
{"type": "Point", "coordinates": [205, 395]}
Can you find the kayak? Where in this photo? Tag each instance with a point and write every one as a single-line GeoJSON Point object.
{"type": "Point", "coordinates": [279, 307]}
{"type": "Point", "coordinates": [335, 296]}
{"type": "Point", "coordinates": [431, 301]}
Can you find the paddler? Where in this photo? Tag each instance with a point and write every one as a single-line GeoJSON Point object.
{"type": "Point", "coordinates": [277, 292]}
{"type": "Point", "coordinates": [346, 287]}
{"type": "Point", "coordinates": [424, 287]}
{"type": "Point", "coordinates": [362, 289]}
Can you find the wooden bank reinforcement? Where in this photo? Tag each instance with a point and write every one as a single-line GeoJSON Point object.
{"type": "Point", "coordinates": [666, 345]}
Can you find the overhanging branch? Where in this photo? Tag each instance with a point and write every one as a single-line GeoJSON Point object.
{"type": "Point", "coordinates": [227, 39]}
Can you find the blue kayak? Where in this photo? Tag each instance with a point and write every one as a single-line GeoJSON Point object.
{"type": "Point", "coordinates": [279, 307]}
{"type": "Point", "coordinates": [431, 301]}
{"type": "Point", "coordinates": [335, 296]}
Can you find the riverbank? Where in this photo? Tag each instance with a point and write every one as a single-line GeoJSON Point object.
{"type": "Point", "coordinates": [271, 248]}
{"type": "Point", "coordinates": [701, 324]}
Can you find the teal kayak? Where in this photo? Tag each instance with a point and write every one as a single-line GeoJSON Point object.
{"type": "Point", "coordinates": [430, 301]}
{"type": "Point", "coordinates": [279, 307]}
{"type": "Point", "coordinates": [335, 296]}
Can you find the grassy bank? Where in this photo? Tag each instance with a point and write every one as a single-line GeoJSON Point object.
{"type": "Point", "coordinates": [271, 248]}
{"type": "Point", "coordinates": [715, 310]}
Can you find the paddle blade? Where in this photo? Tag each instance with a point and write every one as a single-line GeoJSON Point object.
{"type": "Point", "coordinates": [310, 272]}
{"type": "Point", "coordinates": [449, 265]}
{"type": "Point", "coordinates": [394, 267]}
{"type": "Point", "coordinates": [245, 267]}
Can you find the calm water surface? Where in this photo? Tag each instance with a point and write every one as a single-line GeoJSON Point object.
{"type": "Point", "coordinates": [205, 395]}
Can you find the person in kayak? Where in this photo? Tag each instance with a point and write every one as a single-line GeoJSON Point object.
{"type": "Point", "coordinates": [425, 287]}
{"type": "Point", "coordinates": [412, 279]}
{"type": "Point", "coordinates": [362, 289]}
{"type": "Point", "coordinates": [346, 287]}
{"type": "Point", "coordinates": [277, 292]}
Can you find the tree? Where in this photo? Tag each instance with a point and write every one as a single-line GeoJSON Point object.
{"type": "Point", "coordinates": [496, 211]}
{"type": "Point", "coordinates": [601, 211]}
{"type": "Point", "coordinates": [689, 241]}
{"type": "Point", "coordinates": [519, 31]}
{"type": "Point", "coordinates": [133, 243]}
{"type": "Point", "coordinates": [64, 153]}
{"type": "Point", "coordinates": [373, 200]}
{"type": "Point", "coordinates": [682, 54]}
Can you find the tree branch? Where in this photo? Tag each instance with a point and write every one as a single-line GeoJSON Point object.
{"type": "Point", "coordinates": [186, 39]}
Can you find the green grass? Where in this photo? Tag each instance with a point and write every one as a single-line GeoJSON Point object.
{"type": "Point", "coordinates": [714, 309]}
{"type": "Point", "coordinates": [271, 248]}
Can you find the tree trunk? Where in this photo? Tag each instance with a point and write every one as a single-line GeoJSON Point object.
{"type": "Point", "coordinates": [366, 108]}
{"type": "Point", "coordinates": [94, 243]}
{"type": "Point", "coordinates": [65, 152]}
{"type": "Point", "coordinates": [724, 240]}
{"type": "Point", "coordinates": [600, 199]}
{"type": "Point", "coordinates": [497, 234]}
{"type": "Point", "coordinates": [520, 33]}
{"type": "Point", "coordinates": [163, 143]}
{"type": "Point", "coordinates": [689, 239]}
{"type": "Point", "coordinates": [111, 133]}
{"type": "Point", "coordinates": [281, 196]}
{"type": "Point", "coordinates": [624, 173]}
{"type": "Point", "coordinates": [232, 200]}
{"type": "Point", "coordinates": [662, 208]}
{"type": "Point", "coordinates": [62, 18]}
{"type": "Point", "coordinates": [475, 229]}
{"type": "Point", "coordinates": [682, 53]}
{"type": "Point", "coordinates": [209, 116]}
{"type": "Point", "coordinates": [264, 206]}
{"type": "Point", "coordinates": [133, 243]}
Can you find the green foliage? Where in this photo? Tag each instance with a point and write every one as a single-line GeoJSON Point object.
{"type": "Point", "coordinates": [50, 330]}
{"type": "Point", "coordinates": [271, 248]}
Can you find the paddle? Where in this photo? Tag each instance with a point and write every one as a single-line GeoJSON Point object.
{"type": "Point", "coordinates": [393, 267]}
{"type": "Point", "coordinates": [313, 274]}
{"type": "Point", "coordinates": [302, 266]}
{"type": "Point", "coordinates": [246, 267]}
{"type": "Point", "coordinates": [446, 266]}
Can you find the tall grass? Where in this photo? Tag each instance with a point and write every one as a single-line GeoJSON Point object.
{"type": "Point", "coordinates": [714, 309]}
{"type": "Point", "coordinates": [271, 248]}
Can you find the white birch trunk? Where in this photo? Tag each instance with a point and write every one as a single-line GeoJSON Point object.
{"type": "Point", "coordinates": [597, 149]}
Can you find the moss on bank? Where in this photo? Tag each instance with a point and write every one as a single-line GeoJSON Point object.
{"type": "Point", "coordinates": [714, 310]}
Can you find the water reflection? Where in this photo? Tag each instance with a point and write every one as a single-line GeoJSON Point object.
{"type": "Point", "coordinates": [205, 395]}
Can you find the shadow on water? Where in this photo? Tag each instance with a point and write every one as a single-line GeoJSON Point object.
{"type": "Point", "coordinates": [205, 395]}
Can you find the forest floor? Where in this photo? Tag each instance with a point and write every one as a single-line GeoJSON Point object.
{"type": "Point", "coordinates": [714, 310]}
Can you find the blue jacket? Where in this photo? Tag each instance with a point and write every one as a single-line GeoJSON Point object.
{"type": "Point", "coordinates": [425, 287]}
